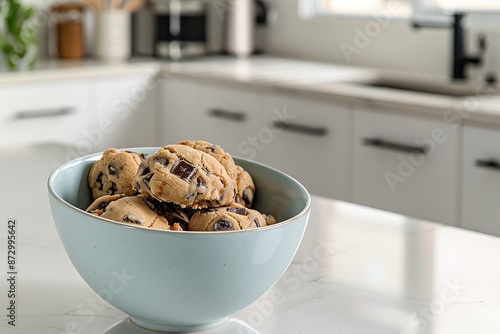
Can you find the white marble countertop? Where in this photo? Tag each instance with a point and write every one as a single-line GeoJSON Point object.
{"type": "Point", "coordinates": [358, 270]}
{"type": "Point", "coordinates": [338, 82]}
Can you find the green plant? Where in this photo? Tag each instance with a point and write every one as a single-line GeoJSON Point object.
{"type": "Point", "coordinates": [17, 33]}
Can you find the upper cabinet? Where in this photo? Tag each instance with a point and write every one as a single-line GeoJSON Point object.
{"type": "Point", "coordinates": [407, 164]}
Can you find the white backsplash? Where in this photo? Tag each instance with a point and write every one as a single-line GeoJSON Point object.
{"type": "Point", "coordinates": [398, 46]}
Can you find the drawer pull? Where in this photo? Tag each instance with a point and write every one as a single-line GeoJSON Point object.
{"type": "Point", "coordinates": [491, 164]}
{"type": "Point", "coordinates": [228, 115]}
{"type": "Point", "coordinates": [299, 128]}
{"type": "Point", "coordinates": [394, 146]}
{"type": "Point", "coordinates": [44, 113]}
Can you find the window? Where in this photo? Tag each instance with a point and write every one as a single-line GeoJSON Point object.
{"type": "Point", "coordinates": [400, 8]}
{"type": "Point", "coordinates": [473, 5]}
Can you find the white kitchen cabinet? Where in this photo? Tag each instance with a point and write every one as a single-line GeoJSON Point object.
{"type": "Point", "coordinates": [48, 111]}
{"type": "Point", "coordinates": [179, 109]}
{"type": "Point", "coordinates": [481, 179]}
{"type": "Point", "coordinates": [124, 112]}
{"type": "Point", "coordinates": [310, 139]}
{"type": "Point", "coordinates": [219, 113]}
{"type": "Point", "coordinates": [408, 165]}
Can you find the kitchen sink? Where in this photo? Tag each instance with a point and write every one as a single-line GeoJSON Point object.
{"type": "Point", "coordinates": [437, 88]}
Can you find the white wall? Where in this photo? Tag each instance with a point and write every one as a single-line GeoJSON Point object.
{"type": "Point", "coordinates": [397, 46]}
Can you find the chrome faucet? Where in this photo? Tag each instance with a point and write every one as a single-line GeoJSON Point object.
{"type": "Point", "coordinates": [460, 58]}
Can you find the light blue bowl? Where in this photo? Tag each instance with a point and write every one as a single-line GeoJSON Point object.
{"type": "Point", "coordinates": [179, 281]}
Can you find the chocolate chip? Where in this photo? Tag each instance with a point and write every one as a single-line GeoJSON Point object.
{"type": "Point", "coordinates": [102, 206]}
{"type": "Point", "coordinates": [201, 185]}
{"type": "Point", "coordinates": [200, 182]}
{"type": "Point", "coordinates": [184, 170]}
{"type": "Point", "coordinates": [223, 225]}
{"type": "Point", "coordinates": [247, 196]}
{"type": "Point", "coordinates": [212, 148]}
{"type": "Point", "coordinates": [221, 196]}
{"type": "Point", "coordinates": [174, 214]}
{"type": "Point", "coordinates": [150, 203]}
{"type": "Point", "coordinates": [143, 169]}
{"type": "Point", "coordinates": [256, 221]}
{"type": "Point", "coordinates": [138, 186]}
{"type": "Point", "coordinates": [239, 211]}
{"type": "Point", "coordinates": [141, 155]}
{"type": "Point", "coordinates": [161, 160]}
{"type": "Point", "coordinates": [132, 220]}
{"type": "Point", "coordinates": [99, 180]}
{"type": "Point", "coordinates": [113, 188]}
{"type": "Point", "coordinates": [147, 178]}
{"type": "Point", "coordinates": [112, 169]}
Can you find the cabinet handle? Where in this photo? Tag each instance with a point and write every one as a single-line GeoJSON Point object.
{"type": "Point", "coordinates": [299, 128]}
{"type": "Point", "coordinates": [394, 146]}
{"type": "Point", "coordinates": [228, 115]}
{"type": "Point", "coordinates": [491, 164]}
{"type": "Point", "coordinates": [25, 114]}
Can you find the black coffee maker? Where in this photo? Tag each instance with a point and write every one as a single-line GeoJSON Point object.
{"type": "Point", "coordinates": [181, 28]}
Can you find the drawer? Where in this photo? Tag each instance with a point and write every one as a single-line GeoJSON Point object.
{"type": "Point", "coordinates": [43, 112]}
{"type": "Point", "coordinates": [481, 180]}
{"type": "Point", "coordinates": [407, 165]}
{"type": "Point", "coordinates": [179, 110]}
{"type": "Point", "coordinates": [221, 114]}
{"type": "Point", "coordinates": [128, 104]}
{"type": "Point", "coordinates": [311, 140]}
{"type": "Point", "coordinates": [231, 117]}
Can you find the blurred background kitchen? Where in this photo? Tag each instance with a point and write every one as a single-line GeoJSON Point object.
{"type": "Point", "coordinates": [387, 103]}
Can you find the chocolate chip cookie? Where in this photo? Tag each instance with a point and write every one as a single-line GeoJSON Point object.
{"type": "Point", "coordinates": [129, 209]}
{"type": "Point", "coordinates": [114, 173]}
{"type": "Point", "coordinates": [174, 213]}
{"type": "Point", "coordinates": [228, 218]}
{"type": "Point", "coordinates": [185, 176]}
{"type": "Point", "coordinates": [217, 152]}
{"type": "Point", "coordinates": [99, 205]}
{"type": "Point", "coordinates": [245, 188]}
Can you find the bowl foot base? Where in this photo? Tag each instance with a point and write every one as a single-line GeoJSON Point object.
{"type": "Point", "coordinates": [176, 328]}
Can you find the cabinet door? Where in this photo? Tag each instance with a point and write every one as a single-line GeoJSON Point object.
{"type": "Point", "coordinates": [481, 180]}
{"type": "Point", "coordinates": [311, 140]}
{"type": "Point", "coordinates": [407, 165]}
{"type": "Point", "coordinates": [221, 114]}
{"type": "Point", "coordinates": [43, 112]}
{"type": "Point", "coordinates": [231, 117]}
{"type": "Point", "coordinates": [180, 110]}
{"type": "Point", "coordinates": [124, 112]}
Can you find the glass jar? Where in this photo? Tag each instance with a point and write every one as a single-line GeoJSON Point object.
{"type": "Point", "coordinates": [69, 30]}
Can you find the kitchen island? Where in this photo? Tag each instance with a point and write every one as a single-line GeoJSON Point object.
{"type": "Point", "coordinates": [358, 270]}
